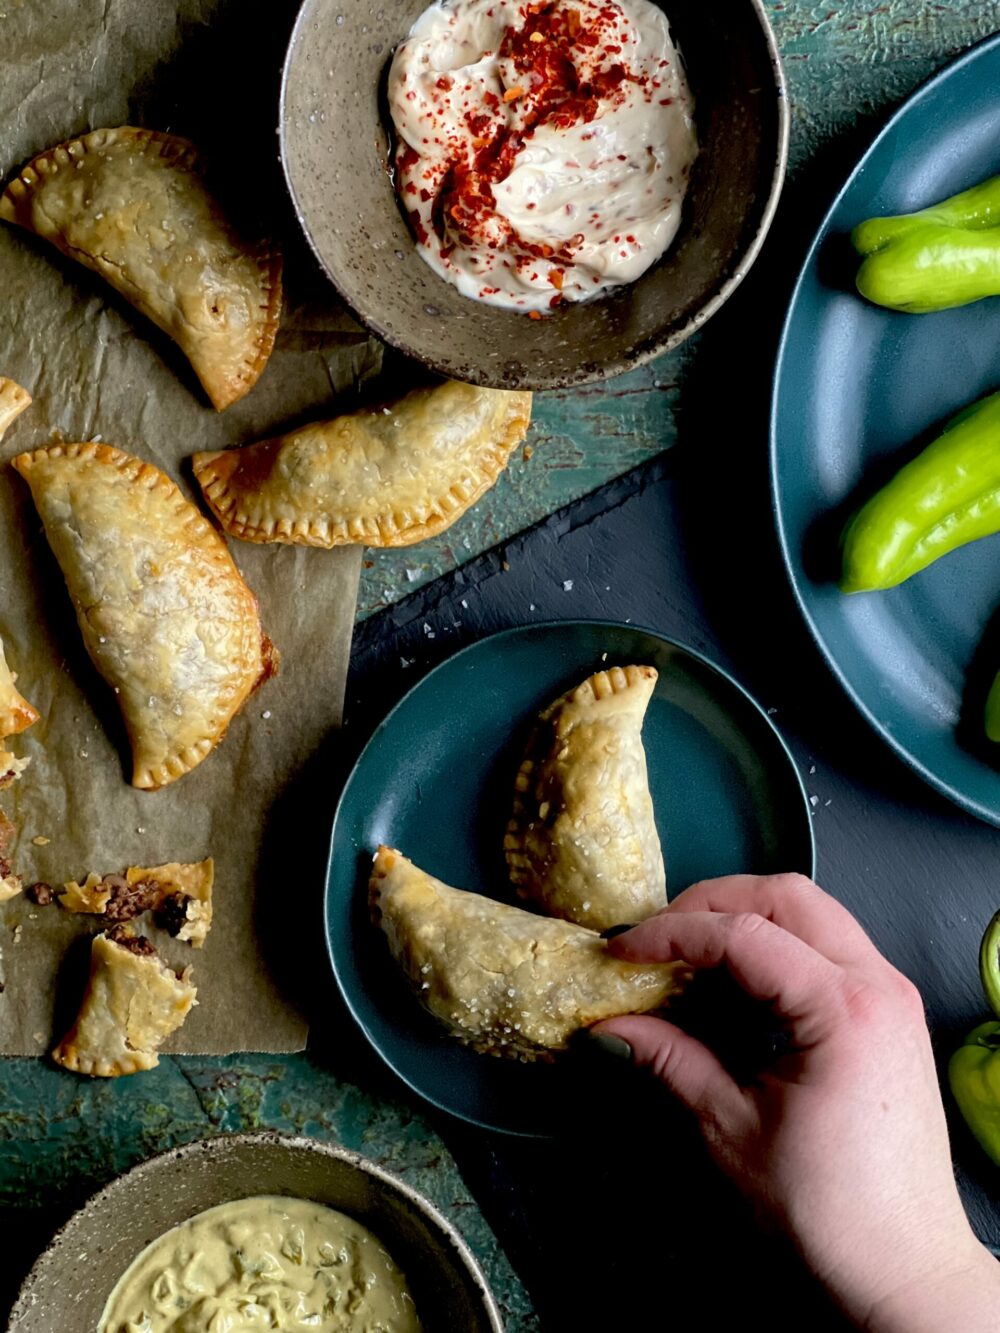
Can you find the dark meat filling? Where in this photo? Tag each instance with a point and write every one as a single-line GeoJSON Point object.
{"type": "Point", "coordinates": [172, 915]}
{"type": "Point", "coordinates": [129, 900]}
{"type": "Point", "coordinates": [137, 944]}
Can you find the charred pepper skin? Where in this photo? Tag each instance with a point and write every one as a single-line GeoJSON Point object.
{"type": "Point", "coordinates": [974, 1069]}
{"type": "Point", "coordinates": [947, 496]}
{"type": "Point", "coordinates": [943, 256]}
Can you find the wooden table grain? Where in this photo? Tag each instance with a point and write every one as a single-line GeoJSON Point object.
{"type": "Point", "coordinates": [848, 63]}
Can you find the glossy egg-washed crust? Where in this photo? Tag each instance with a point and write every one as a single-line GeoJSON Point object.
{"type": "Point", "coordinates": [13, 401]}
{"type": "Point", "coordinates": [132, 1003]}
{"type": "Point", "coordinates": [502, 980]}
{"type": "Point", "coordinates": [582, 839]}
{"type": "Point", "coordinates": [382, 476]}
{"type": "Point", "coordinates": [164, 612]}
{"type": "Point", "coordinates": [132, 205]}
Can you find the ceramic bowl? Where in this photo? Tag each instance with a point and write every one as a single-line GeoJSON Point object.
{"type": "Point", "coordinates": [71, 1281]}
{"type": "Point", "coordinates": [335, 151]}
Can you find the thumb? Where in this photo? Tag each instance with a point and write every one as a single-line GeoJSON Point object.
{"type": "Point", "coordinates": [688, 1068]}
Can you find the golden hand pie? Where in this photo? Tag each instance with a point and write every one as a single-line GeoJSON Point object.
{"type": "Point", "coordinates": [16, 714]}
{"type": "Point", "coordinates": [382, 476]}
{"type": "Point", "coordinates": [164, 612]}
{"type": "Point", "coordinates": [582, 842]}
{"type": "Point", "coordinates": [179, 895]}
{"type": "Point", "coordinates": [133, 206]}
{"type": "Point", "coordinates": [13, 401]}
{"type": "Point", "coordinates": [132, 1003]}
{"type": "Point", "coordinates": [502, 980]}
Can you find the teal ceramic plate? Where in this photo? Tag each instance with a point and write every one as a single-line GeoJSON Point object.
{"type": "Point", "coordinates": [436, 780]}
{"type": "Point", "coordinates": [855, 387]}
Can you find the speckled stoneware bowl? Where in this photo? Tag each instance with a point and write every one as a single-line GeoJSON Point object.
{"type": "Point", "coordinates": [70, 1283]}
{"type": "Point", "coordinates": [335, 149]}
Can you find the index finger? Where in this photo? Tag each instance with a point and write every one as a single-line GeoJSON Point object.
{"type": "Point", "coordinates": [769, 963]}
{"type": "Point", "coordinates": [790, 901]}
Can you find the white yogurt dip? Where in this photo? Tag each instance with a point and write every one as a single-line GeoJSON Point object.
{"type": "Point", "coordinates": [543, 150]}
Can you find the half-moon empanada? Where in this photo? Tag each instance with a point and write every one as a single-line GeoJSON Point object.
{"type": "Point", "coordinates": [582, 842]}
{"type": "Point", "coordinates": [382, 476]}
{"type": "Point", "coordinates": [132, 1003]}
{"type": "Point", "coordinates": [13, 401]}
{"type": "Point", "coordinates": [164, 612]}
{"type": "Point", "coordinates": [133, 206]}
{"type": "Point", "coordinates": [505, 981]}
{"type": "Point", "coordinates": [16, 714]}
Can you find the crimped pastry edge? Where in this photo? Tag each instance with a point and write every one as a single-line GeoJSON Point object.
{"type": "Point", "coordinates": [397, 528]}
{"type": "Point", "coordinates": [183, 154]}
{"type": "Point", "coordinates": [153, 777]}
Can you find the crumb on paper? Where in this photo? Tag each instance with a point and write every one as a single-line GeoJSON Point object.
{"type": "Point", "coordinates": [567, 585]}
{"type": "Point", "coordinates": [412, 575]}
{"type": "Point", "coordinates": [505, 565]}
{"type": "Point", "coordinates": [40, 840]}
{"type": "Point", "coordinates": [531, 606]}
{"type": "Point", "coordinates": [405, 662]}
{"type": "Point", "coordinates": [266, 714]}
{"type": "Point", "coordinates": [814, 801]}
{"type": "Point", "coordinates": [464, 604]}
{"type": "Point", "coordinates": [604, 657]}
{"type": "Point", "coordinates": [17, 933]}
{"type": "Point", "coordinates": [829, 802]}
{"type": "Point", "coordinates": [428, 631]}
{"type": "Point", "coordinates": [84, 754]}
{"type": "Point", "coordinates": [812, 769]}
{"type": "Point", "coordinates": [771, 712]}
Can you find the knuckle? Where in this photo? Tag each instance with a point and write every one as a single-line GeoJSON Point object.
{"type": "Point", "coordinates": [793, 883]}
{"type": "Point", "coordinates": [743, 925]}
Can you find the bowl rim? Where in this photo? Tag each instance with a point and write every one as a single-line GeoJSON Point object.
{"type": "Point", "coordinates": [656, 345]}
{"type": "Point", "coordinates": [24, 1302]}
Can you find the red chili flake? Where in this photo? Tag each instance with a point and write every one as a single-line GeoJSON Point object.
{"type": "Point", "coordinates": [666, 101]}
{"type": "Point", "coordinates": [530, 206]}
{"type": "Point", "coordinates": [411, 96]}
{"type": "Point", "coordinates": [534, 314]}
{"type": "Point", "coordinates": [556, 277]}
{"type": "Point", "coordinates": [444, 83]}
{"type": "Point", "coordinates": [630, 239]}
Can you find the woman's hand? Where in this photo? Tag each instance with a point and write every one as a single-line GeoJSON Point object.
{"type": "Point", "coordinates": [842, 1141]}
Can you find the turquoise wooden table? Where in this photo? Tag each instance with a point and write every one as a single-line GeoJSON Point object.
{"type": "Point", "coordinates": [847, 64]}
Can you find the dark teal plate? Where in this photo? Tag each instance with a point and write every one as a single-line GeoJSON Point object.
{"type": "Point", "coordinates": [854, 387]}
{"type": "Point", "coordinates": [436, 780]}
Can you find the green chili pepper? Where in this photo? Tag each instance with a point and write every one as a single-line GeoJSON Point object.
{"type": "Point", "coordinates": [974, 1075]}
{"type": "Point", "coordinates": [974, 1069]}
{"type": "Point", "coordinates": [946, 255]}
{"type": "Point", "coordinates": [993, 711]}
{"type": "Point", "coordinates": [945, 497]}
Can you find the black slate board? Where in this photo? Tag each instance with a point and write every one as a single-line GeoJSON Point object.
{"type": "Point", "coordinates": [602, 1229]}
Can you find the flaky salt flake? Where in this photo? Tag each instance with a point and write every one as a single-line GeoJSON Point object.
{"type": "Point", "coordinates": [567, 585]}
{"type": "Point", "coordinates": [814, 801]}
{"type": "Point", "coordinates": [412, 575]}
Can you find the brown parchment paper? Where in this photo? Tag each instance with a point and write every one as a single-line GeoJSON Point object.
{"type": "Point", "coordinates": [209, 70]}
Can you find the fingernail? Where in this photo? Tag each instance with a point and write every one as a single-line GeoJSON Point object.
{"type": "Point", "coordinates": [612, 931]}
{"type": "Point", "coordinates": [612, 1045]}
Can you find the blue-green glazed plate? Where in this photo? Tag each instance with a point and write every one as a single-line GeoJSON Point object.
{"type": "Point", "coordinates": [436, 780]}
{"type": "Point", "coordinates": [857, 391]}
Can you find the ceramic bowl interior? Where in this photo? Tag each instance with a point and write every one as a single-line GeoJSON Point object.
{"type": "Point", "coordinates": [71, 1281]}
{"type": "Point", "coordinates": [335, 151]}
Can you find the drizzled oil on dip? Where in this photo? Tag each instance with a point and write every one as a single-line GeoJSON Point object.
{"type": "Point", "coordinates": [543, 149]}
{"type": "Point", "coordinates": [263, 1263]}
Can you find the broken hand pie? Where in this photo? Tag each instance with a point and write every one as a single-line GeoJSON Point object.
{"type": "Point", "coordinates": [382, 476]}
{"type": "Point", "coordinates": [582, 842]}
{"type": "Point", "coordinates": [178, 894]}
{"type": "Point", "coordinates": [505, 981]}
{"type": "Point", "coordinates": [164, 612]}
{"type": "Point", "coordinates": [13, 401]}
{"type": "Point", "coordinates": [132, 1003]}
{"type": "Point", "coordinates": [16, 715]}
{"type": "Point", "coordinates": [133, 206]}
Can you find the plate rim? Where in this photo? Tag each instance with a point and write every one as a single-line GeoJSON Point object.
{"type": "Point", "coordinates": [378, 732]}
{"type": "Point", "coordinates": [989, 814]}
